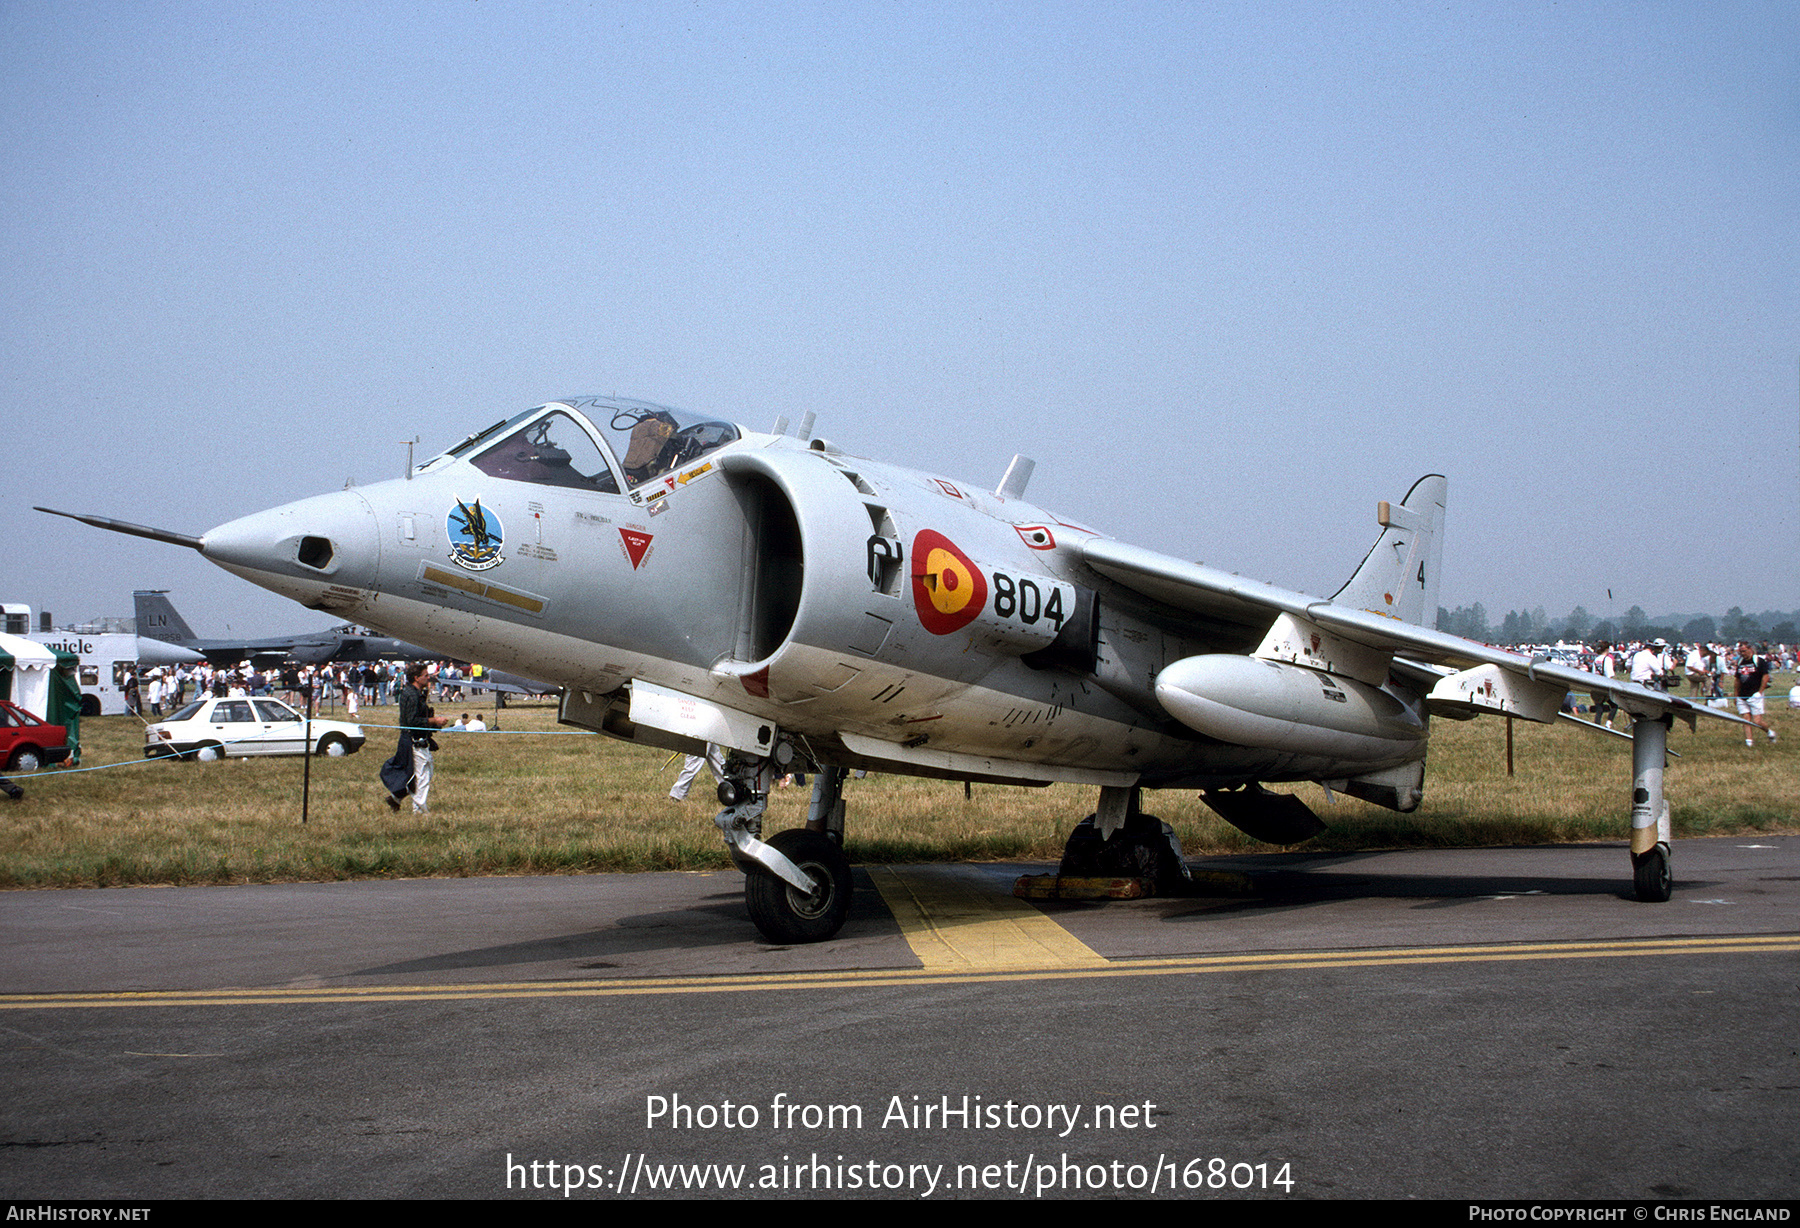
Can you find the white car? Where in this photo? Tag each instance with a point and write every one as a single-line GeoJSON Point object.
{"type": "Point", "coordinates": [213, 728]}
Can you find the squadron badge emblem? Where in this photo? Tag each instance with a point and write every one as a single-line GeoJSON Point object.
{"type": "Point", "coordinates": [475, 536]}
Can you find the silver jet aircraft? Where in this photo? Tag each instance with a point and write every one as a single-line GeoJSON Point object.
{"type": "Point", "coordinates": [157, 619]}
{"type": "Point", "coordinates": [689, 581]}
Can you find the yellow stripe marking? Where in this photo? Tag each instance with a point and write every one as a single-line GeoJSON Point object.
{"type": "Point", "coordinates": [507, 596]}
{"type": "Point", "coordinates": [439, 576]}
{"type": "Point", "coordinates": [1285, 961]}
{"type": "Point", "coordinates": [954, 922]}
{"type": "Point", "coordinates": [480, 588]}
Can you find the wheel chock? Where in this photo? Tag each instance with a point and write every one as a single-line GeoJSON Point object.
{"type": "Point", "coordinates": [1074, 887]}
{"type": "Point", "coordinates": [1070, 887]}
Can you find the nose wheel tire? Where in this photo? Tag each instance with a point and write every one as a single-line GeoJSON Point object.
{"type": "Point", "coordinates": [1650, 875]}
{"type": "Point", "coordinates": [783, 912]}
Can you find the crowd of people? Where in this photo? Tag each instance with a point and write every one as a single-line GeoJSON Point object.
{"type": "Point", "coordinates": [162, 690]}
{"type": "Point", "coordinates": [1731, 676]}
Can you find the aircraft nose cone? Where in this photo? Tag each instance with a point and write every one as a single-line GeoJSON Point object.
{"type": "Point", "coordinates": [300, 549]}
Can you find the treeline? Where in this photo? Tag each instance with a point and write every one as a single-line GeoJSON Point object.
{"type": "Point", "coordinates": [1537, 627]}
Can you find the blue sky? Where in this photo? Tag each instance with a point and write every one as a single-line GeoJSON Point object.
{"type": "Point", "coordinates": [1229, 273]}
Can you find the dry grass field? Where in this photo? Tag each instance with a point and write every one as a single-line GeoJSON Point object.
{"type": "Point", "coordinates": [535, 798]}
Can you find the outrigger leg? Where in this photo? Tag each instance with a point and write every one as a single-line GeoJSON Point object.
{"type": "Point", "coordinates": [1650, 831]}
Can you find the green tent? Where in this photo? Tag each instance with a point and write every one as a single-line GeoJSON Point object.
{"type": "Point", "coordinates": [44, 682]}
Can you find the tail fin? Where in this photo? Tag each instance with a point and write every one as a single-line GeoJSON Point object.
{"type": "Point", "coordinates": [157, 619]}
{"type": "Point", "coordinates": [1398, 578]}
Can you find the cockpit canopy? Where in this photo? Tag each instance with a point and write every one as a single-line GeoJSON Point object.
{"type": "Point", "coordinates": [594, 443]}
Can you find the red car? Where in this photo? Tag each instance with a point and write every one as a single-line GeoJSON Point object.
{"type": "Point", "coordinates": [27, 743]}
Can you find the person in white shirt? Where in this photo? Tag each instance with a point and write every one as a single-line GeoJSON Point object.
{"type": "Point", "coordinates": [1604, 707]}
{"type": "Point", "coordinates": [1649, 664]}
{"type": "Point", "coordinates": [1698, 675]}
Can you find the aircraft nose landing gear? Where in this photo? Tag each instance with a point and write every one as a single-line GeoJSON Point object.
{"type": "Point", "coordinates": [784, 912]}
{"type": "Point", "coordinates": [797, 885]}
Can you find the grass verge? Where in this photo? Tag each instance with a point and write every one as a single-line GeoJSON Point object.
{"type": "Point", "coordinates": [536, 799]}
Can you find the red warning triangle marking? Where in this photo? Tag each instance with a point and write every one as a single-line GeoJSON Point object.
{"type": "Point", "coordinates": [635, 545]}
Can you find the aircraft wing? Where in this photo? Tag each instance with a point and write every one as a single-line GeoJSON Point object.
{"type": "Point", "coordinates": [1193, 587]}
{"type": "Point", "coordinates": [1482, 678]}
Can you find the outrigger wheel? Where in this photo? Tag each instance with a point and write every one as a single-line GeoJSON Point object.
{"type": "Point", "coordinates": [782, 911]}
{"type": "Point", "coordinates": [1651, 876]}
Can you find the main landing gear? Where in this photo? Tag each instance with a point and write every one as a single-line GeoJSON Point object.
{"type": "Point", "coordinates": [1120, 841]}
{"type": "Point", "coordinates": [797, 885]}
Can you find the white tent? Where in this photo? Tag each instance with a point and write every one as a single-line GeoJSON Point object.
{"type": "Point", "coordinates": [31, 665]}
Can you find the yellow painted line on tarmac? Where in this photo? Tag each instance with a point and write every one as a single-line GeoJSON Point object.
{"type": "Point", "coordinates": [955, 922]}
{"type": "Point", "coordinates": [1283, 961]}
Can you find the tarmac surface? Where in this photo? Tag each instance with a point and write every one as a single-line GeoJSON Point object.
{"type": "Point", "coordinates": [1496, 1023]}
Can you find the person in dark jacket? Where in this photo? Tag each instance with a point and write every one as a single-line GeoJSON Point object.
{"type": "Point", "coordinates": [409, 771]}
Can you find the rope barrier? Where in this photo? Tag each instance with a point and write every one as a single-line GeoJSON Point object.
{"type": "Point", "coordinates": [55, 772]}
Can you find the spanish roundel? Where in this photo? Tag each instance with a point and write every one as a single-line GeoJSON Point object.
{"type": "Point", "coordinates": [949, 591]}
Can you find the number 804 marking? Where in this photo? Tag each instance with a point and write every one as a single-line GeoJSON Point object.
{"type": "Point", "coordinates": [1023, 601]}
